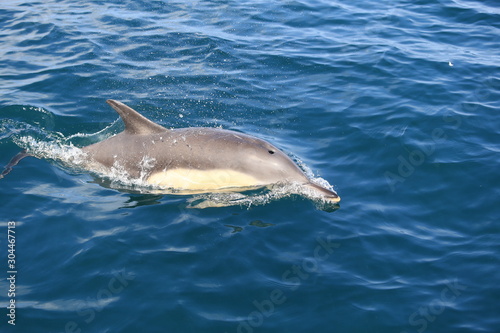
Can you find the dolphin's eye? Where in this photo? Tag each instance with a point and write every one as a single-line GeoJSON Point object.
{"type": "Point", "coordinates": [270, 152]}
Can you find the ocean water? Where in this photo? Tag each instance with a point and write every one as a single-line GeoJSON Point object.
{"type": "Point", "coordinates": [393, 103]}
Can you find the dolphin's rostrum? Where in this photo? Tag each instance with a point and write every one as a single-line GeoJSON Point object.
{"type": "Point", "coordinates": [196, 159]}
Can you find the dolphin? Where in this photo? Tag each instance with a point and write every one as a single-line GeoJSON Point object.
{"type": "Point", "coordinates": [196, 159]}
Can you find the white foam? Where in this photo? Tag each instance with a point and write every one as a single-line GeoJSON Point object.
{"type": "Point", "coordinates": [68, 155]}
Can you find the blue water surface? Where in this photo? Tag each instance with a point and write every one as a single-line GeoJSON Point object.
{"type": "Point", "coordinates": [394, 103]}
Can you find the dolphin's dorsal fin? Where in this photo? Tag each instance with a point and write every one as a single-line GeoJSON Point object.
{"type": "Point", "coordinates": [135, 123]}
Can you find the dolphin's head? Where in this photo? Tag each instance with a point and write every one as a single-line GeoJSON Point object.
{"type": "Point", "coordinates": [265, 161]}
{"type": "Point", "coordinates": [271, 165]}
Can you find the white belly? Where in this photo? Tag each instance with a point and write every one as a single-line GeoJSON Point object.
{"type": "Point", "coordinates": [196, 180]}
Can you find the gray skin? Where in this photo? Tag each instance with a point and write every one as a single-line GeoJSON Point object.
{"type": "Point", "coordinates": [196, 148]}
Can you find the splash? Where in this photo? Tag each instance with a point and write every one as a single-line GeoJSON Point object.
{"type": "Point", "coordinates": [261, 197]}
{"type": "Point", "coordinates": [68, 155]}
